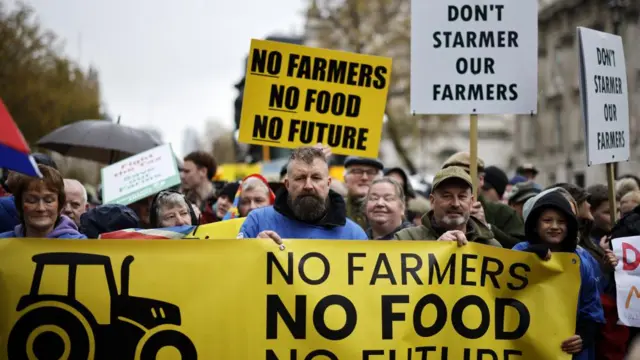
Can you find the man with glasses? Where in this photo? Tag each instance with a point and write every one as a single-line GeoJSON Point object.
{"type": "Point", "coordinates": [360, 173]}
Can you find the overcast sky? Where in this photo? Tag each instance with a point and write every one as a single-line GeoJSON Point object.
{"type": "Point", "coordinates": [169, 64]}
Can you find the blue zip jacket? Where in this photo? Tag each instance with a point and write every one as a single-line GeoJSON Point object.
{"type": "Point", "coordinates": [279, 218]}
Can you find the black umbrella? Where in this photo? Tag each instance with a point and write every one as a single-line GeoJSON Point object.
{"type": "Point", "coordinates": [98, 140]}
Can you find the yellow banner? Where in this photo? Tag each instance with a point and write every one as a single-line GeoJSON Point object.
{"type": "Point", "coordinates": [296, 95]}
{"type": "Point", "coordinates": [246, 299]}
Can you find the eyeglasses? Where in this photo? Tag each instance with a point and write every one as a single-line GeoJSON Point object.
{"type": "Point", "coordinates": [360, 172]}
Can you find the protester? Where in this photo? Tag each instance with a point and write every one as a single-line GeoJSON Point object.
{"type": "Point", "coordinates": [615, 338]}
{"type": "Point", "coordinates": [385, 209]}
{"type": "Point", "coordinates": [171, 208]}
{"type": "Point", "coordinates": [629, 201]}
{"type": "Point", "coordinates": [226, 197]}
{"type": "Point", "coordinates": [39, 202]}
{"type": "Point", "coordinates": [108, 218]}
{"type": "Point", "coordinates": [253, 193]}
{"type": "Point", "coordinates": [450, 217]}
{"type": "Point", "coordinates": [495, 184]}
{"type": "Point", "coordinates": [306, 208]}
{"type": "Point", "coordinates": [360, 173]}
{"type": "Point", "coordinates": [9, 216]}
{"type": "Point", "coordinates": [520, 194]}
{"type": "Point", "coordinates": [503, 221]}
{"type": "Point", "coordinates": [76, 200]}
{"type": "Point", "coordinates": [509, 189]}
{"type": "Point", "coordinates": [551, 226]}
{"type": "Point", "coordinates": [600, 212]}
{"type": "Point", "coordinates": [197, 171]}
{"type": "Point", "coordinates": [529, 171]}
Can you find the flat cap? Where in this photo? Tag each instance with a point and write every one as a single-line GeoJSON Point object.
{"type": "Point", "coordinates": [451, 173]}
{"type": "Point", "coordinates": [462, 159]}
{"type": "Point", "coordinates": [357, 160]}
{"type": "Point", "coordinates": [523, 191]}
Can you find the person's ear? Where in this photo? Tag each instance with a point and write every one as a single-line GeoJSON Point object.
{"type": "Point", "coordinates": [329, 181]}
{"type": "Point", "coordinates": [286, 183]}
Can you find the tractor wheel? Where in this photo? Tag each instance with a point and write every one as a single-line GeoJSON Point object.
{"type": "Point", "coordinates": [168, 338]}
{"type": "Point", "coordinates": [48, 333]}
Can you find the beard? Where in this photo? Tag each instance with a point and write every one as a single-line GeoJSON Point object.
{"type": "Point", "coordinates": [452, 221]}
{"type": "Point", "coordinates": [308, 207]}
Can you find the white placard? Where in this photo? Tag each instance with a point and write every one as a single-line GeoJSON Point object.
{"type": "Point", "coordinates": [604, 96]}
{"type": "Point", "coordinates": [474, 56]}
{"type": "Point", "coordinates": [139, 176]}
{"type": "Point", "coordinates": [627, 277]}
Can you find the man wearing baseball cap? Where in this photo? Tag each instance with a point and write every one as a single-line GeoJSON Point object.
{"type": "Point", "coordinates": [450, 217]}
{"type": "Point", "coordinates": [503, 221]}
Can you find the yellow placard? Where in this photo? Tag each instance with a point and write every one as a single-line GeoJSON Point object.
{"type": "Point", "coordinates": [296, 95]}
{"type": "Point", "coordinates": [247, 299]}
{"type": "Point", "coordinates": [220, 230]}
{"type": "Point", "coordinates": [235, 172]}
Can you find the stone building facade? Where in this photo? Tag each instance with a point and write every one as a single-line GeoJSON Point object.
{"type": "Point", "coordinates": [554, 140]}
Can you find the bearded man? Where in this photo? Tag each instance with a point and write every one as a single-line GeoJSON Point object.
{"type": "Point", "coordinates": [305, 208]}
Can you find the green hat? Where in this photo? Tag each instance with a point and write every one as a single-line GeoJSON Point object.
{"type": "Point", "coordinates": [451, 173]}
{"type": "Point", "coordinates": [463, 160]}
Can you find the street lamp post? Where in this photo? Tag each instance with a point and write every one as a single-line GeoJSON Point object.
{"type": "Point", "coordinates": [617, 8]}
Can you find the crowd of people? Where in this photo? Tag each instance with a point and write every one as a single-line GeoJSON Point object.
{"type": "Point", "coordinates": [373, 203]}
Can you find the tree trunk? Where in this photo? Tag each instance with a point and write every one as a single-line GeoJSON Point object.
{"type": "Point", "coordinates": [397, 144]}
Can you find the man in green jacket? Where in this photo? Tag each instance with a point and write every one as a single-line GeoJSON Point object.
{"type": "Point", "coordinates": [359, 174]}
{"type": "Point", "coordinates": [450, 216]}
{"type": "Point", "coordinates": [504, 222]}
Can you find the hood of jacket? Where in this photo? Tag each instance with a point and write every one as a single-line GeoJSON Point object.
{"type": "Point", "coordinates": [552, 200]}
{"type": "Point", "coordinates": [108, 218]}
{"type": "Point", "coordinates": [65, 227]}
{"type": "Point", "coordinates": [476, 230]}
{"type": "Point", "coordinates": [336, 212]}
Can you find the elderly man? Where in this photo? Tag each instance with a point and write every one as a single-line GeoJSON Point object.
{"type": "Point", "coordinates": [503, 221]}
{"type": "Point", "coordinates": [360, 173]}
{"type": "Point", "coordinates": [450, 216]}
{"type": "Point", "coordinates": [76, 200]}
{"type": "Point", "coordinates": [306, 208]}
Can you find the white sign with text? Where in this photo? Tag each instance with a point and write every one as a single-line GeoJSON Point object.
{"type": "Point", "coordinates": [140, 176]}
{"type": "Point", "coordinates": [627, 275]}
{"type": "Point", "coordinates": [474, 57]}
{"type": "Point", "coordinates": [604, 96]}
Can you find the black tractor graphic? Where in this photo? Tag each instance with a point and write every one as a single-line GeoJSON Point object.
{"type": "Point", "coordinates": [60, 327]}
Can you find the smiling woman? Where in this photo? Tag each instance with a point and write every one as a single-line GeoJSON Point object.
{"type": "Point", "coordinates": [385, 209]}
{"type": "Point", "coordinates": [39, 203]}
